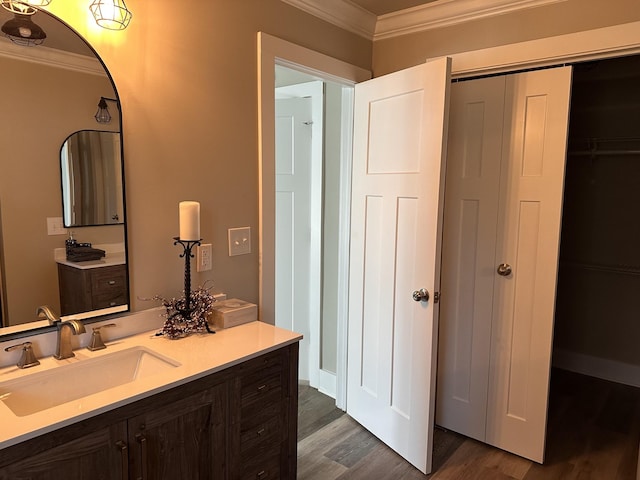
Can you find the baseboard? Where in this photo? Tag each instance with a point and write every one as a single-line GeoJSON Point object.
{"type": "Point", "coordinates": [603, 368]}
{"type": "Point", "coordinates": [327, 383]}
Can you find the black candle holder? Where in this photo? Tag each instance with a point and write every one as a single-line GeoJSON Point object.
{"type": "Point", "coordinates": [187, 245]}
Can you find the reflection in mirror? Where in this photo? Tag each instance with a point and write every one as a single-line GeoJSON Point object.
{"type": "Point", "coordinates": [91, 179]}
{"type": "Point", "coordinates": [49, 92]}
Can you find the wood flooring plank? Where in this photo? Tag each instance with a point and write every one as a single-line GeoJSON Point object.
{"type": "Point", "coordinates": [382, 463]}
{"type": "Point", "coordinates": [593, 434]}
{"type": "Point", "coordinates": [353, 449]}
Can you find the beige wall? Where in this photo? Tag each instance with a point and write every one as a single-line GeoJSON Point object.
{"type": "Point", "coordinates": [53, 103]}
{"type": "Point", "coordinates": [187, 79]}
{"type": "Point", "coordinates": [560, 18]}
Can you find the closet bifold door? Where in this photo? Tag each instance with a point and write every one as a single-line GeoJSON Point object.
{"type": "Point", "coordinates": [468, 253]}
{"type": "Point", "coordinates": [528, 239]}
{"type": "Point", "coordinates": [503, 202]}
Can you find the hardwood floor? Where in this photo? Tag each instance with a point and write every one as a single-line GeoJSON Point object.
{"type": "Point", "coordinates": [593, 434]}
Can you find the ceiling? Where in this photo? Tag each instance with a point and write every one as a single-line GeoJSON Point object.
{"type": "Point", "coordinates": [381, 7]}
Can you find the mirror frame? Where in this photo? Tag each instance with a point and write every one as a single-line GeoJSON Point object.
{"type": "Point", "coordinates": [18, 331]}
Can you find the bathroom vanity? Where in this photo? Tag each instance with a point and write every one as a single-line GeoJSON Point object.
{"type": "Point", "coordinates": [225, 407]}
{"type": "Point", "coordinates": [93, 285]}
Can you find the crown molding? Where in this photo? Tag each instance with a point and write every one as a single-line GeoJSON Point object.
{"type": "Point", "coordinates": [53, 58]}
{"type": "Point", "coordinates": [444, 13]}
{"type": "Point", "coordinates": [341, 13]}
{"type": "Point", "coordinates": [441, 13]}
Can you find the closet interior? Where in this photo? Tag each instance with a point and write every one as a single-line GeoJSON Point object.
{"type": "Point", "coordinates": [597, 321]}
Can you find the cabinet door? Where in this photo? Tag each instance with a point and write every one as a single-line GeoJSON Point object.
{"type": "Point", "coordinates": [102, 454]}
{"type": "Point", "coordinates": [182, 439]}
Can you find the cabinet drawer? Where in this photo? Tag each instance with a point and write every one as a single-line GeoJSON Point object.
{"type": "Point", "coordinates": [109, 300]}
{"type": "Point", "coordinates": [263, 467]}
{"type": "Point", "coordinates": [107, 280]}
{"type": "Point", "coordinates": [261, 430]}
{"type": "Point", "coordinates": [261, 385]}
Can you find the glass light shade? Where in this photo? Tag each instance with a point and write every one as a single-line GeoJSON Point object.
{"type": "Point", "coordinates": [111, 14]}
{"type": "Point", "coordinates": [22, 31]}
{"type": "Point", "coordinates": [103, 115]}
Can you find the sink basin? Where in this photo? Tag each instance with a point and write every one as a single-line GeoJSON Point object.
{"type": "Point", "coordinates": [40, 391]}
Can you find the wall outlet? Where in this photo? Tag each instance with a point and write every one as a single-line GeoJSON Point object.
{"type": "Point", "coordinates": [239, 241]}
{"type": "Point", "coordinates": [55, 226]}
{"type": "Point", "coordinates": [203, 257]}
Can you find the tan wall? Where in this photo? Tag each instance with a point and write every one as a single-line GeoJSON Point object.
{"type": "Point", "coordinates": [41, 106]}
{"type": "Point", "coordinates": [187, 80]}
{"type": "Point", "coordinates": [557, 19]}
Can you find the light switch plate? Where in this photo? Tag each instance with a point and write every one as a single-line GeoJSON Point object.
{"type": "Point", "coordinates": [55, 226]}
{"type": "Point", "coordinates": [239, 241]}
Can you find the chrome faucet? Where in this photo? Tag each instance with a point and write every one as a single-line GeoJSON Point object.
{"type": "Point", "coordinates": [65, 330]}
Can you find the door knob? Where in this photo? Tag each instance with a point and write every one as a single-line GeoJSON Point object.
{"type": "Point", "coordinates": [504, 269]}
{"type": "Point", "coordinates": [421, 295]}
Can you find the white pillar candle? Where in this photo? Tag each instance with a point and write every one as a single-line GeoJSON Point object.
{"type": "Point", "coordinates": [189, 221]}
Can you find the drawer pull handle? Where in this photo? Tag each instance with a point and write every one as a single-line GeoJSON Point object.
{"type": "Point", "coordinates": [262, 387]}
{"type": "Point", "coordinates": [260, 432]}
{"type": "Point", "coordinates": [125, 459]}
{"type": "Point", "coordinates": [261, 474]}
{"type": "Point", "coordinates": [112, 282]}
{"type": "Point", "coordinates": [142, 440]}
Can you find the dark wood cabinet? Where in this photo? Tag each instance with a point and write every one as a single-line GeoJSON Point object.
{"type": "Point", "coordinates": [239, 423]}
{"type": "Point", "coordinates": [82, 290]}
{"type": "Point", "coordinates": [100, 454]}
{"type": "Point", "coordinates": [183, 439]}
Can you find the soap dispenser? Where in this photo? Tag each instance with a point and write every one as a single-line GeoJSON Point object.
{"type": "Point", "coordinates": [70, 242]}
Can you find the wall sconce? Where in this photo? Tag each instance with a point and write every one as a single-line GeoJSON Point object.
{"type": "Point", "coordinates": [111, 14]}
{"type": "Point", "coordinates": [103, 115]}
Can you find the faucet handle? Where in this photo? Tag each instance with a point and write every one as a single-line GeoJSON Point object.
{"type": "Point", "coordinates": [28, 358]}
{"type": "Point", "coordinates": [96, 339]}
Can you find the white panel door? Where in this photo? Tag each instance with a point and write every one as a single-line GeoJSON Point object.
{"type": "Point", "coordinates": [476, 115]}
{"type": "Point", "coordinates": [399, 132]}
{"type": "Point", "coordinates": [532, 181]}
{"type": "Point", "coordinates": [293, 210]}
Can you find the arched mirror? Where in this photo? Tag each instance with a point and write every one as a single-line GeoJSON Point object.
{"type": "Point", "coordinates": [49, 92]}
{"type": "Point", "coordinates": [91, 168]}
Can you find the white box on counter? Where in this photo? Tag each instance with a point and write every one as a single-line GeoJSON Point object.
{"type": "Point", "coordinates": [233, 312]}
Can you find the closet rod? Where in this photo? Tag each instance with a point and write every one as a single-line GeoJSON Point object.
{"type": "Point", "coordinates": [617, 269]}
{"type": "Point", "coordinates": [595, 153]}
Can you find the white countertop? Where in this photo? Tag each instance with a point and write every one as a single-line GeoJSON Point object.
{"type": "Point", "coordinates": [198, 355]}
{"type": "Point", "coordinates": [116, 258]}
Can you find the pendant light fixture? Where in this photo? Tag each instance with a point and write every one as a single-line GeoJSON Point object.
{"type": "Point", "coordinates": [111, 14]}
{"type": "Point", "coordinates": [22, 31]}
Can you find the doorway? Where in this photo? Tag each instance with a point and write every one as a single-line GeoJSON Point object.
{"type": "Point", "coordinates": [308, 157]}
